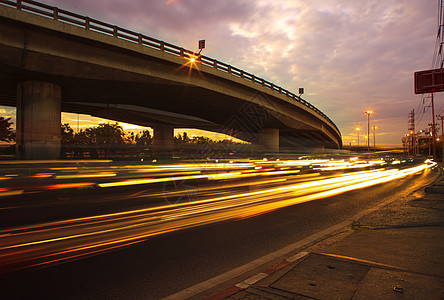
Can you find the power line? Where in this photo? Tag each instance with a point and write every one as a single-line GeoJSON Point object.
{"type": "Point", "coordinates": [437, 62]}
{"type": "Point", "coordinates": [438, 57]}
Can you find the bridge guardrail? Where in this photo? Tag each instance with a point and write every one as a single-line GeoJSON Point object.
{"type": "Point", "coordinates": [88, 23]}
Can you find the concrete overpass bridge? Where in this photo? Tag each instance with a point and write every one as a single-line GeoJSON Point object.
{"type": "Point", "coordinates": [54, 60]}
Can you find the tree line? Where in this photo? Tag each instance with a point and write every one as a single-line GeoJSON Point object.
{"type": "Point", "coordinates": [106, 134]}
{"type": "Point", "coordinates": [109, 140]}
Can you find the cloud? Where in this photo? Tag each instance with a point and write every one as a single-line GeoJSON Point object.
{"type": "Point", "coordinates": [348, 55]}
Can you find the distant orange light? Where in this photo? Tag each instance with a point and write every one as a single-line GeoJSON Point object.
{"type": "Point", "coordinates": [68, 185]}
{"type": "Point", "coordinates": [42, 175]}
{"type": "Point", "coordinates": [192, 59]}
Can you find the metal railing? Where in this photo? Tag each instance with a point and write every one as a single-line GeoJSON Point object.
{"type": "Point", "coordinates": [88, 23]}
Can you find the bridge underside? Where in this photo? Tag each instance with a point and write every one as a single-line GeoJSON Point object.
{"type": "Point", "coordinates": [245, 122]}
{"type": "Point", "coordinates": [110, 82]}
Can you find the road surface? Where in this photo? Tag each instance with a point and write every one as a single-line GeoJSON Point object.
{"type": "Point", "coordinates": [195, 231]}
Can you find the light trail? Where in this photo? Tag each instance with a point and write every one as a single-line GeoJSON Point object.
{"type": "Point", "coordinates": [65, 240]}
{"type": "Point", "coordinates": [86, 175]}
{"type": "Point", "coordinates": [51, 242]}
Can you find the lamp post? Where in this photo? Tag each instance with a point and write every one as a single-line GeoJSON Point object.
{"type": "Point", "coordinates": [374, 138]}
{"type": "Point", "coordinates": [368, 112]}
{"type": "Point", "coordinates": [358, 129]}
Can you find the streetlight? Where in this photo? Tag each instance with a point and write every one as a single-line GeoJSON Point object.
{"type": "Point", "coordinates": [358, 129]}
{"type": "Point", "coordinates": [368, 112]}
{"type": "Point", "coordinates": [374, 138]}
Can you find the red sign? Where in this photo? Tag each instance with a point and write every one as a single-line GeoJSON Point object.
{"type": "Point", "coordinates": [429, 81]}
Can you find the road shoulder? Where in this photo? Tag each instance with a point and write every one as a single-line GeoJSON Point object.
{"type": "Point", "coordinates": [392, 250]}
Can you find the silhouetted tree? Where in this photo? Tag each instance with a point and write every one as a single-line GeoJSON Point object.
{"type": "Point", "coordinates": [80, 138]}
{"type": "Point", "coordinates": [201, 140]}
{"type": "Point", "coordinates": [144, 138]}
{"type": "Point", "coordinates": [106, 134]}
{"type": "Point", "coordinates": [67, 134]}
{"type": "Point", "coordinates": [6, 132]}
{"type": "Point", "coordinates": [130, 138]}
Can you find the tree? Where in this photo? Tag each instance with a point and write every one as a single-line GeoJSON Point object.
{"type": "Point", "coordinates": [106, 134]}
{"type": "Point", "coordinates": [130, 138]}
{"type": "Point", "coordinates": [144, 138]}
{"type": "Point", "coordinates": [6, 132]}
{"type": "Point", "coordinates": [67, 134]}
{"type": "Point", "coordinates": [80, 138]}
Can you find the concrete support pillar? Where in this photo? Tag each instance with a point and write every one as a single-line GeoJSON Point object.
{"type": "Point", "coordinates": [163, 141]}
{"type": "Point", "coordinates": [267, 141]}
{"type": "Point", "coordinates": [38, 120]}
{"type": "Point", "coordinates": [320, 149]}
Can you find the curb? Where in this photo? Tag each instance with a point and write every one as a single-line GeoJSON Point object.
{"type": "Point", "coordinates": [256, 278]}
{"type": "Point", "coordinates": [213, 282]}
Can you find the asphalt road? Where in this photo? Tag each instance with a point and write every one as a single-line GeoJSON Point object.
{"type": "Point", "coordinates": [172, 262]}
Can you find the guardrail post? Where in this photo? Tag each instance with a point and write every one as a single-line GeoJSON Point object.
{"type": "Point", "coordinates": [229, 69]}
{"type": "Point", "coordinates": [215, 64]}
{"type": "Point", "coordinates": [115, 33]}
{"type": "Point", "coordinates": [139, 37]}
{"type": "Point", "coordinates": [242, 74]}
{"type": "Point", "coordinates": [87, 23]}
{"type": "Point", "coordinates": [56, 13]}
{"type": "Point", "coordinates": [263, 82]}
{"type": "Point", "coordinates": [181, 52]}
{"type": "Point", "coordinates": [19, 4]}
{"type": "Point", "coordinates": [162, 47]}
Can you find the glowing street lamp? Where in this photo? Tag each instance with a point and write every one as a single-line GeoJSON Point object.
{"type": "Point", "coordinates": [193, 58]}
{"type": "Point", "coordinates": [368, 112]}
{"type": "Point", "coordinates": [358, 129]}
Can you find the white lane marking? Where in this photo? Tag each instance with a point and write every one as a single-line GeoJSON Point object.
{"type": "Point", "coordinates": [297, 256]}
{"type": "Point", "coordinates": [252, 280]}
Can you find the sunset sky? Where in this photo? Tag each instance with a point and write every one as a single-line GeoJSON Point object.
{"type": "Point", "coordinates": [349, 55]}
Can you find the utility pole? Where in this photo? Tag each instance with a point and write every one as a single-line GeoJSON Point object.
{"type": "Point", "coordinates": [433, 129]}
{"type": "Point", "coordinates": [431, 139]}
{"type": "Point", "coordinates": [412, 132]}
{"type": "Point", "coordinates": [441, 118]}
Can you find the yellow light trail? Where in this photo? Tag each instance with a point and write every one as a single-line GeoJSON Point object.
{"type": "Point", "coordinates": [58, 241]}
